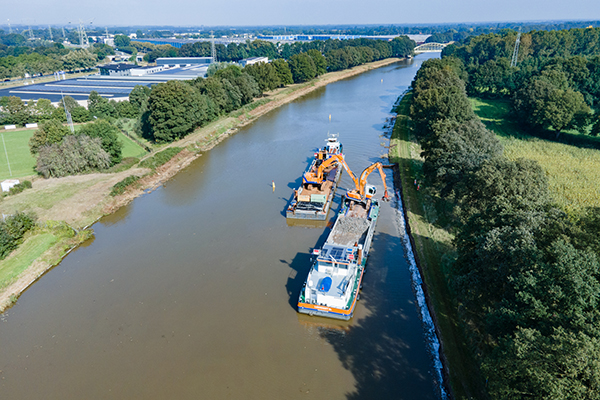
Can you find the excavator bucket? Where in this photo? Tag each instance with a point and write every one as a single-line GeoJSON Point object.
{"type": "Point", "coordinates": [386, 196]}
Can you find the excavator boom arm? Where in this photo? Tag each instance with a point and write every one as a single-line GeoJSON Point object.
{"type": "Point", "coordinates": [317, 177]}
{"type": "Point", "coordinates": [362, 183]}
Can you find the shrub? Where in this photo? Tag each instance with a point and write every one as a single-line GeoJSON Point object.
{"type": "Point", "coordinates": [124, 165]}
{"type": "Point", "coordinates": [19, 187]}
{"type": "Point", "coordinates": [76, 154]}
{"type": "Point", "coordinates": [12, 230]}
{"type": "Point", "coordinates": [160, 158]}
{"type": "Point", "coordinates": [119, 187]}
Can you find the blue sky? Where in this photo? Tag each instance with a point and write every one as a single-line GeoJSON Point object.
{"type": "Point", "coordinates": [291, 12]}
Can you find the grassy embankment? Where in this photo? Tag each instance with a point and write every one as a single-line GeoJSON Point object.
{"type": "Point", "coordinates": [572, 169]}
{"type": "Point", "coordinates": [574, 184]}
{"type": "Point", "coordinates": [433, 246]}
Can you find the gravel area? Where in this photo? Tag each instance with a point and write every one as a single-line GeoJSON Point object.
{"type": "Point", "coordinates": [348, 230]}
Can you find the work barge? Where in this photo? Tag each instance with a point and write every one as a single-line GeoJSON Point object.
{"type": "Point", "coordinates": [332, 287]}
{"type": "Point", "coordinates": [313, 199]}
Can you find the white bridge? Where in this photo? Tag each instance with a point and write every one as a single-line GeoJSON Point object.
{"type": "Point", "coordinates": [431, 47]}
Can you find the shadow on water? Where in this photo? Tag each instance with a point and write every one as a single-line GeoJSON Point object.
{"type": "Point", "coordinates": [295, 184]}
{"type": "Point", "coordinates": [300, 266]}
{"type": "Point", "coordinates": [377, 349]}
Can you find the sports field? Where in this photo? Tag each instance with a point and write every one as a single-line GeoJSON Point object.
{"type": "Point", "coordinates": [15, 159]}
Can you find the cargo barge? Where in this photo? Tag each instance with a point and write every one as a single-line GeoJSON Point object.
{"type": "Point", "coordinates": [333, 285]}
{"type": "Point", "coordinates": [334, 281]}
{"type": "Point", "coordinates": [313, 199]}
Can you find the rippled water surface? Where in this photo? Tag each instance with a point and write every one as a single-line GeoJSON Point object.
{"type": "Point", "coordinates": [190, 291]}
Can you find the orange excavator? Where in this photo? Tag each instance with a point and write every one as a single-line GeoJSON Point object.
{"type": "Point", "coordinates": [316, 174]}
{"type": "Point", "coordinates": [362, 191]}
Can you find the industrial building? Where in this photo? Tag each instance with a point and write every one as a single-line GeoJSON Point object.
{"type": "Point", "coordinates": [253, 60]}
{"type": "Point", "coordinates": [183, 61]}
{"type": "Point", "coordinates": [120, 69]}
{"type": "Point", "coordinates": [146, 70]}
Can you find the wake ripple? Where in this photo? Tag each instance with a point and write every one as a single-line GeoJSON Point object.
{"type": "Point", "coordinates": [417, 283]}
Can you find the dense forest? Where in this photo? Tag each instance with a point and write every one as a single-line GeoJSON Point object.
{"type": "Point", "coordinates": [399, 47]}
{"type": "Point", "coordinates": [555, 84]}
{"type": "Point", "coordinates": [526, 275]}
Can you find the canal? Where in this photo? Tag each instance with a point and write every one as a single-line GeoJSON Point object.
{"type": "Point", "coordinates": [190, 291]}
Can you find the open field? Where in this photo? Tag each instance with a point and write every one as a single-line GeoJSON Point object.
{"type": "Point", "coordinates": [14, 151]}
{"type": "Point", "coordinates": [572, 170]}
{"type": "Point", "coordinates": [434, 251]}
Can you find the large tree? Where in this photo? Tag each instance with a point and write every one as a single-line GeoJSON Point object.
{"type": "Point", "coordinates": [454, 149]}
{"type": "Point", "coordinates": [139, 96]}
{"type": "Point", "coordinates": [122, 41]}
{"type": "Point", "coordinates": [176, 109]}
{"type": "Point", "coordinates": [49, 132]}
{"type": "Point", "coordinates": [43, 110]}
{"type": "Point", "coordinates": [319, 60]}
{"type": "Point", "coordinates": [265, 76]}
{"type": "Point", "coordinates": [15, 111]}
{"type": "Point", "coordinates": [99, 107]}
{"type": "Point", "coordinates": [402, 46]}
{"type": "Point", "coordinates": [108, 135]}
{"type": "Point", "coordinates": [547, 102]}
{"type": "Point", "coordinates": [303, 67]}
{"type": "Point", "coordinates": [283, 71]}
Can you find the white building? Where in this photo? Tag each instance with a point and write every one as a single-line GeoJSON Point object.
{"type": "Point", "coordinates": [146, 70]}
{"type": "Point", "coordinates": [8, 184]}
{"type": "Point", "coordinates": [253, 60]}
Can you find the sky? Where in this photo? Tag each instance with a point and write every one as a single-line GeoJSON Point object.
{"type": "Point", "coordinates": [290, 12]}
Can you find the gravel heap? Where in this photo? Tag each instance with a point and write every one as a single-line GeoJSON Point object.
{"type": "Point", "coordinates": [348, 230]}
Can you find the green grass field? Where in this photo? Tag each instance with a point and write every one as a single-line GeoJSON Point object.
{"type": "Point", "coordinates": [14, 151]}
{"type": "Point", "coordinates": [572, 170]}
{"type": "Point", "coordinates": [15, 146]}
{"type": "Point", "coordinates": [130, 148]}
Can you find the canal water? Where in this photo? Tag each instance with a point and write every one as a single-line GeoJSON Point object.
{"type": "Point", "coordinates": [190, 291]}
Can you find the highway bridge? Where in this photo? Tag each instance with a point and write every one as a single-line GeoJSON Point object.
{"type": "Point", "coordinates": [431, 47]}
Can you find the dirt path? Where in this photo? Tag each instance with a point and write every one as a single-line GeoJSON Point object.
{"type": "Point", "coordinates": [83, 199]}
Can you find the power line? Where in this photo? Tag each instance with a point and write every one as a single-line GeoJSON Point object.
{"type": "Point", "coordinates": [213, 51]}
{"type": "Point", "coordinates": [515, 56]}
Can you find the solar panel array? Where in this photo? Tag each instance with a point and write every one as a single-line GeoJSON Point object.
{"type": "Point", "coordinates": [77, 88]}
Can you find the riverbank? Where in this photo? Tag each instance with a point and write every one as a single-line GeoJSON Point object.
{"type": "Point", "coordinates": [82, 200]}
{"type": "Point", "coordinates": [434, 250]}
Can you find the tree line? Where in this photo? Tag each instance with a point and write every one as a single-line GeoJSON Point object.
{"type": "Point", "coordinates": [16, 61]}
{"type": "Point", "coordinates": [526, 276]}
{"type": "Point", "coordinates": [555, 84]}
{"type": "Point", "coordinates": [399, 47]}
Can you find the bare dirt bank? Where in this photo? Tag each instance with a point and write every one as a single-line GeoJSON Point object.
{"type": "Point", "coordinates": [82, 200]}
